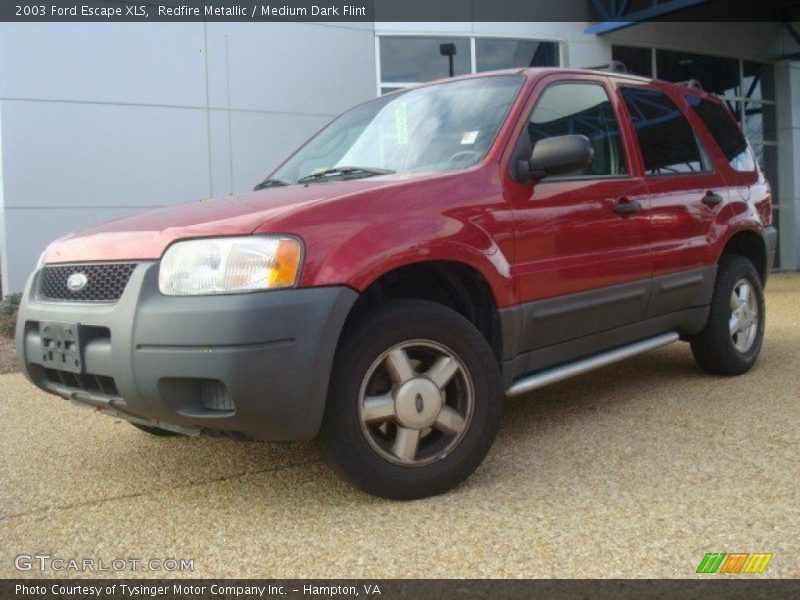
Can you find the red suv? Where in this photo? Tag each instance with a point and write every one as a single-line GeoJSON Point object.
{"type": "Point", "coordinates": [424, 255]}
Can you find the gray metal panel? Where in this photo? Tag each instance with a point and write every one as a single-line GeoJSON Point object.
{"type": "Point", "coordinates": [261, 141]}
{"type": "Point", "coordinates": [151, 63]}
{"type": "Point", "coordinates": [220, 183]}
{"type": "Point", "coordinates": [290, 67]}
{"type": "Point", "coordinates": [69, 154]}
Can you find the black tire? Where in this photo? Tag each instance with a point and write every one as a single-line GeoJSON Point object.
{"type": "Point", "coordinates": [714, 349]}
{"type": "Point", "coordinates": [157, 431]}
{"type": "Point", "coordinates": [345, 443]}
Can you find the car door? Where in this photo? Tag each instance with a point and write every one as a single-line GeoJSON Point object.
{"type": "Point", "coordinates": [582, 258]}
{"type": "Point", "coordinates": [686, 193]}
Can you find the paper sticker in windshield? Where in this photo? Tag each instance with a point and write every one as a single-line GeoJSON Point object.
{"type": "Point", "coordinates": [469, 137]}
{"type": "Point", "coordinates": [401, 124]}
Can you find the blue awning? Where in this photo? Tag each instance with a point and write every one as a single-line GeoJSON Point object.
{"type": "Point", "coordinates": [617, 15]}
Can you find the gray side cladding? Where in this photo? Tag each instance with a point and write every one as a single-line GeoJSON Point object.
{"type": "Point", "coordinates": [541, 334]}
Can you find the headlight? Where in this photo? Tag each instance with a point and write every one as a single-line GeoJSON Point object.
{"type": "Point", "coordinates": [230, 265]}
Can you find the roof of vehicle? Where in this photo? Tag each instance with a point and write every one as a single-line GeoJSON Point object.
{"type": "Point", "coordinates": [689, 86]}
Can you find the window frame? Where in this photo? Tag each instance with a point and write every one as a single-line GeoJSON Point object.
{"type": "Point", "coordinates": [392, 86]}
{"type": "Point", "coordinates": [732, 121]}
{"type": "Point", "coordinates": [740, 100]}
{"type": "Point", "coordinates": [705, 155]}
{"type": "Point", "coordinates": [521, 91]}
{"type": "Point", "coordinates": [603, 84]}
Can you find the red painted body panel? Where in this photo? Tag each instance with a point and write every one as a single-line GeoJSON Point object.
{"type": "Point", "coordinates": [685, 232]}
{"type": "Point", "coordinates": [569, 239]}
{"type": "Point", "coordinates": [529, 242]}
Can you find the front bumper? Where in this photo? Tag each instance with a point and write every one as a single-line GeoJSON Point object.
{"type": "Point", "coordinates": [263, 359]}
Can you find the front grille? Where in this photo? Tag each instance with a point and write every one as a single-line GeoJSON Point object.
{"type": "Point", "coordinates": [105, 282]}
{"type": "Point", "coordinates": [96, 384]}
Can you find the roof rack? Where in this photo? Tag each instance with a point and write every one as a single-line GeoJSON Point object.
{"type": "Point", "coordinates": [692, 83]}
{"type": "Point", "coordinates": [615, 66]}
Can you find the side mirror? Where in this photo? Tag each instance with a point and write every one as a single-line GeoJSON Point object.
{"type": "Point", "coordinates": [559, 155]}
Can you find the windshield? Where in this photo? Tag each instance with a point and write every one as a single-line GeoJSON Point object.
{"type": "Point", "coordinates": [433, 128]}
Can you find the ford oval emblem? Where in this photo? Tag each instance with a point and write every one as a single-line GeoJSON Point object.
{"type": "Point", "coordinates": [76, 282]}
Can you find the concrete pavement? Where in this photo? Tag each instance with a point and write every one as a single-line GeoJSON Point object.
{"type": "Point", "coordinates": [636, 470]}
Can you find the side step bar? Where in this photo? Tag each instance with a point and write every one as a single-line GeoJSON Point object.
{"type": "Point", "coordinates": [533, 382]}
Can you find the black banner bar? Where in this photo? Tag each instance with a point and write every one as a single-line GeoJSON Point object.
{"type": "Point", "coordinates": [733, 587]}
{"type": "Point", "coordinates": [381, 10]}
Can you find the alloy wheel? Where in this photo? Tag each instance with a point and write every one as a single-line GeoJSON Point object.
{"type": "Point", "coordinates": [743, 323]}
{"type": "Point", "coordinates": [415, 403]}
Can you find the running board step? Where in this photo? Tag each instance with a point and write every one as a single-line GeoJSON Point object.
{"type": "Point", "coordinates": [534, 382]}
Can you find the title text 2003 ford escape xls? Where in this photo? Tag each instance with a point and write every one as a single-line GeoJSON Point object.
{"type": "Point", "coordinates": [425, 254]}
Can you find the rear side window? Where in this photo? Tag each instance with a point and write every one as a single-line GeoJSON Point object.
{"type": "Point", "coordinates": [725, 132]}
{"type": "Point", "coordinates": [667, 140]}
{"type": "Point", "coordinates": [585, 109]}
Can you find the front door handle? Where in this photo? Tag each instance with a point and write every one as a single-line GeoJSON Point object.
{"type": "Point", "coordinates": [712, 199]}
{"type": "Point", "coordinates": [623, 206]}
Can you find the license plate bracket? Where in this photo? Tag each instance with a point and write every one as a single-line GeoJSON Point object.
{"type": "Point", "coordinates": [60, 345]}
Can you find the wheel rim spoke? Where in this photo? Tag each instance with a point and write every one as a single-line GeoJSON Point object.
{"type": "Point", "coordinates": [442, 371]}
{"type": "Point", "coordinates": [398, 365]}
{"type": "Point", "coordinates": [743, 295]}
{"type": "Point", "coordinates": [743, 323]}
{"type": "Point", "coordinates": [378, 408]}
{"type": "Point", "coordinates": [735, 303]}
{"type": "Point", "coordinates": [450, 421]}
{"type": "Point", "coordinates": [405, 444]}
{"type": "Point", "coordinates": [733, 324]}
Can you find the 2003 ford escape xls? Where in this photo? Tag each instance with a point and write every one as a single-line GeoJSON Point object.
{"type": "Point", "coordinates": [424, 255]}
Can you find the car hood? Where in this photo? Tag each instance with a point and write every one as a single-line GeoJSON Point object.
{"type": "Point", "coordinates": [146, 235]}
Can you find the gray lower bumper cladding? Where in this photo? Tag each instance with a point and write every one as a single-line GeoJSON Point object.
{"type": "Point", "coordinates": [255, 364]}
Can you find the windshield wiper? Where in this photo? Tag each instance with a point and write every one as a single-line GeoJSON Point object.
{"type": "Point", "coordinates": [346, 171]}
{"type": "Point", "coordinates": [268, 183]}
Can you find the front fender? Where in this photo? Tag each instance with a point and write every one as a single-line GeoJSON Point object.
{"type": "Point", "coordinates": [377, 249]}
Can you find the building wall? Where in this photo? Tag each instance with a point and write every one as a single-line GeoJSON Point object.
{"type": "Point", "coordinates": [101, 120]}
{"type": "Point", "coordinates": [757, 41]}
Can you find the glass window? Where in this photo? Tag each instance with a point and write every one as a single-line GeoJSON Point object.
{"type": "Point", "coordinates": [438, 127]}
{"type": "Point", "coordinates": [725, 132]}
{"type": "Point", "coordinates": [717, 75]}
{"type": "Point", "coordinates": [735, 107]}
{"type": "Point", "coordinates": [581, 108]}
{"type": "Point", "coordinates": [665, 136]}
{"type": "Point", "coordinates": [493, 54]}
{"type": "Point", "coordinates": [758, 82]}
{"type": "Point", "coordinates": [407, 59]}
{"type": "Point", "coordinates": [759, 122]}
{"type": "Point", "coordinates": [638, 61]}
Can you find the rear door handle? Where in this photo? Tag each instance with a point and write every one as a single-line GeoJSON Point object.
{"type": "Point", "coordinates": [623, 206]}
{"type": "Point", "coordinates": [712, 199]}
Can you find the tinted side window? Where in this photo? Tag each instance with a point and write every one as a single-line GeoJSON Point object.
{"type": "Point", "coordinates": [581, 108]}
{"type": "Point", "coordinates": [665, 136]}
{"type": "Point", "coordinates": [725, 132]}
